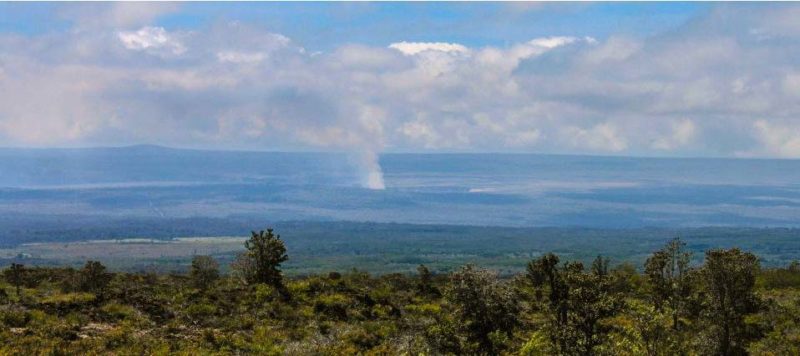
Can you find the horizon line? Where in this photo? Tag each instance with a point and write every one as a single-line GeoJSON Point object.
{"type": "Point", "coordinates": [390, 152]}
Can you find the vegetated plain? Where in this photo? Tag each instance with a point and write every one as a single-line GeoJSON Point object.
{"type": "Point", "coordinates": [384, 248]}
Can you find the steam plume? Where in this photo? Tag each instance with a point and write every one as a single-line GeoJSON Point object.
{"type": "Point", "coordinates": [372, 174]}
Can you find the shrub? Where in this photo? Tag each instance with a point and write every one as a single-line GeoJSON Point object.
{"type": "Point", "coordinates": [200, 311]}
{"type": "Point", "coordinates": [117, 312]}
{"type": "Point", "coordinates": [204, 271]}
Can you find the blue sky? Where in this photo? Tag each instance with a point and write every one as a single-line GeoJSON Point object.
{"type": "Point", "coordinates": [654, 79]}
{"type": "Point", "coordinates": [323, 26]}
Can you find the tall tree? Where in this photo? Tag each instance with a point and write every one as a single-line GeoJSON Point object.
{"type": "Point", "coordinates": [590, 302]}
{"type": "Point", "coordinates": [425, 285]}
{"type": "Point", "coordinates": [578, 302]}
{"type": "Point", "coordinates": [600, 266]}
{"type": "Point", "coordinates": [544, 273]}
{"type": "Point", "coordinates": [670, 278]}
{"type": "Point", "coordinates": [730, 277]}
{"type": "Point", "coordinates": [485, 307]}
{"type": "Point", "coordinates": [262, 261]}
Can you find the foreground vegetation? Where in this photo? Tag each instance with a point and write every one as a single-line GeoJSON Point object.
{"type": "Point", "coordinates": [726, 305]}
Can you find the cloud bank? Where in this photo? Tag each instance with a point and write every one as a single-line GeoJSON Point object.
{"type": "Point", "coordinates": [724, 84]}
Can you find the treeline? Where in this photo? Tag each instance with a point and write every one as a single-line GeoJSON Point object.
{"type": "Point", "coordinates": [17, 229]}
{"type": "Point", "coordinates": [670, 306]}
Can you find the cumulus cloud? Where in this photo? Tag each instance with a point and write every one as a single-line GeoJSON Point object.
{"type": "Point", "coordinates": [154, 39]}
{"type": "Point", "coordinates": [556, 41]}
{"type": "Point", "coordinates": [682, 133]}
{"type": "Point", "coordinates": [240, 57]}
{"type": "Point", "coordinates": [422, 132]}
{"type": "Point", "coordinates": [602, 137]}
{"type": "Point", "coordinates": [115, 15]}
{"type": "Point", "coordinates": [777, 140]}
{"type": "Point", "coordinates": [791, 84]}
{"type": "Point", "coordinates": [412, 48]}
{"type": "Point", "coordinates": [125, 14]}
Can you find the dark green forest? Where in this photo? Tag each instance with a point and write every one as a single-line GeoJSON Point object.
{"type": "Point", "coordinates": [380, 248]}
{"type": "Point", "coordinates": [677, 302]}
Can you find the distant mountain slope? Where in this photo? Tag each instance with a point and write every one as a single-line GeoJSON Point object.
{"type": "Point", "coordinates": [149, 163]}
{"type": "Point", "coordinates": [150, 182]}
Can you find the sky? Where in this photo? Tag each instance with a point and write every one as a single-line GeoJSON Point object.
{"type": "Point", "coordinates": [642, 79]}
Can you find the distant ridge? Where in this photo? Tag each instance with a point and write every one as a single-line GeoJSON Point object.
{"type": "Point", "coordinates": [143, 147]}
{"type": "Point", "coordinates": [156, 148]}
{"type": "Point", "coordinates": [138, 147]}
{"type": "Point", "coordinates": [529, 190]}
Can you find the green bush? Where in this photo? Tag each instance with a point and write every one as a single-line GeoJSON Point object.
{"type": "Point", "coordinates": [116, 312]}
{"type": "Point", "coordinates": [14, 317]}
{"type": "Point", "coordinates": [200, 311]}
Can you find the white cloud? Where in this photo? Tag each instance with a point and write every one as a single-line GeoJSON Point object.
{"type": "Point", "coordinates": [116, 15]}
{"type": "Point", "coordinates": [125, 14]}
{"type": "Point", "coordinates": [556, 41]}
{"type": "Point", "coordinates": [504, 61]}
{"type": "Point", "coordinates": [40, 105]}
{"type": "Point", "coordinates": [421, 131]}
{"type": "Point", "coordinates": [151, 38]}
{"type": "Point", "coordinates": [601, 137]}
{"type": "Point", "coordinates": [189, 80]}
{"type": "Point", "coordinates": [413, 48]}
{"type": "Point", "coordinates": [523, 138]}
{"type": "Point", "coordinates": [536, 47]}
{"type": "Point", "coordinates": [791, 84]}
{"type": "Point", "coordinates": [363, 58]}
{"type": "Point", "coordinates": [682, 133]}
{"type": "Point", "coordinates": [241, 57]}
{"type": "Point", "coordinates": [780, 141]}
{"type": "Point", "coordinates": [614, 49]}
